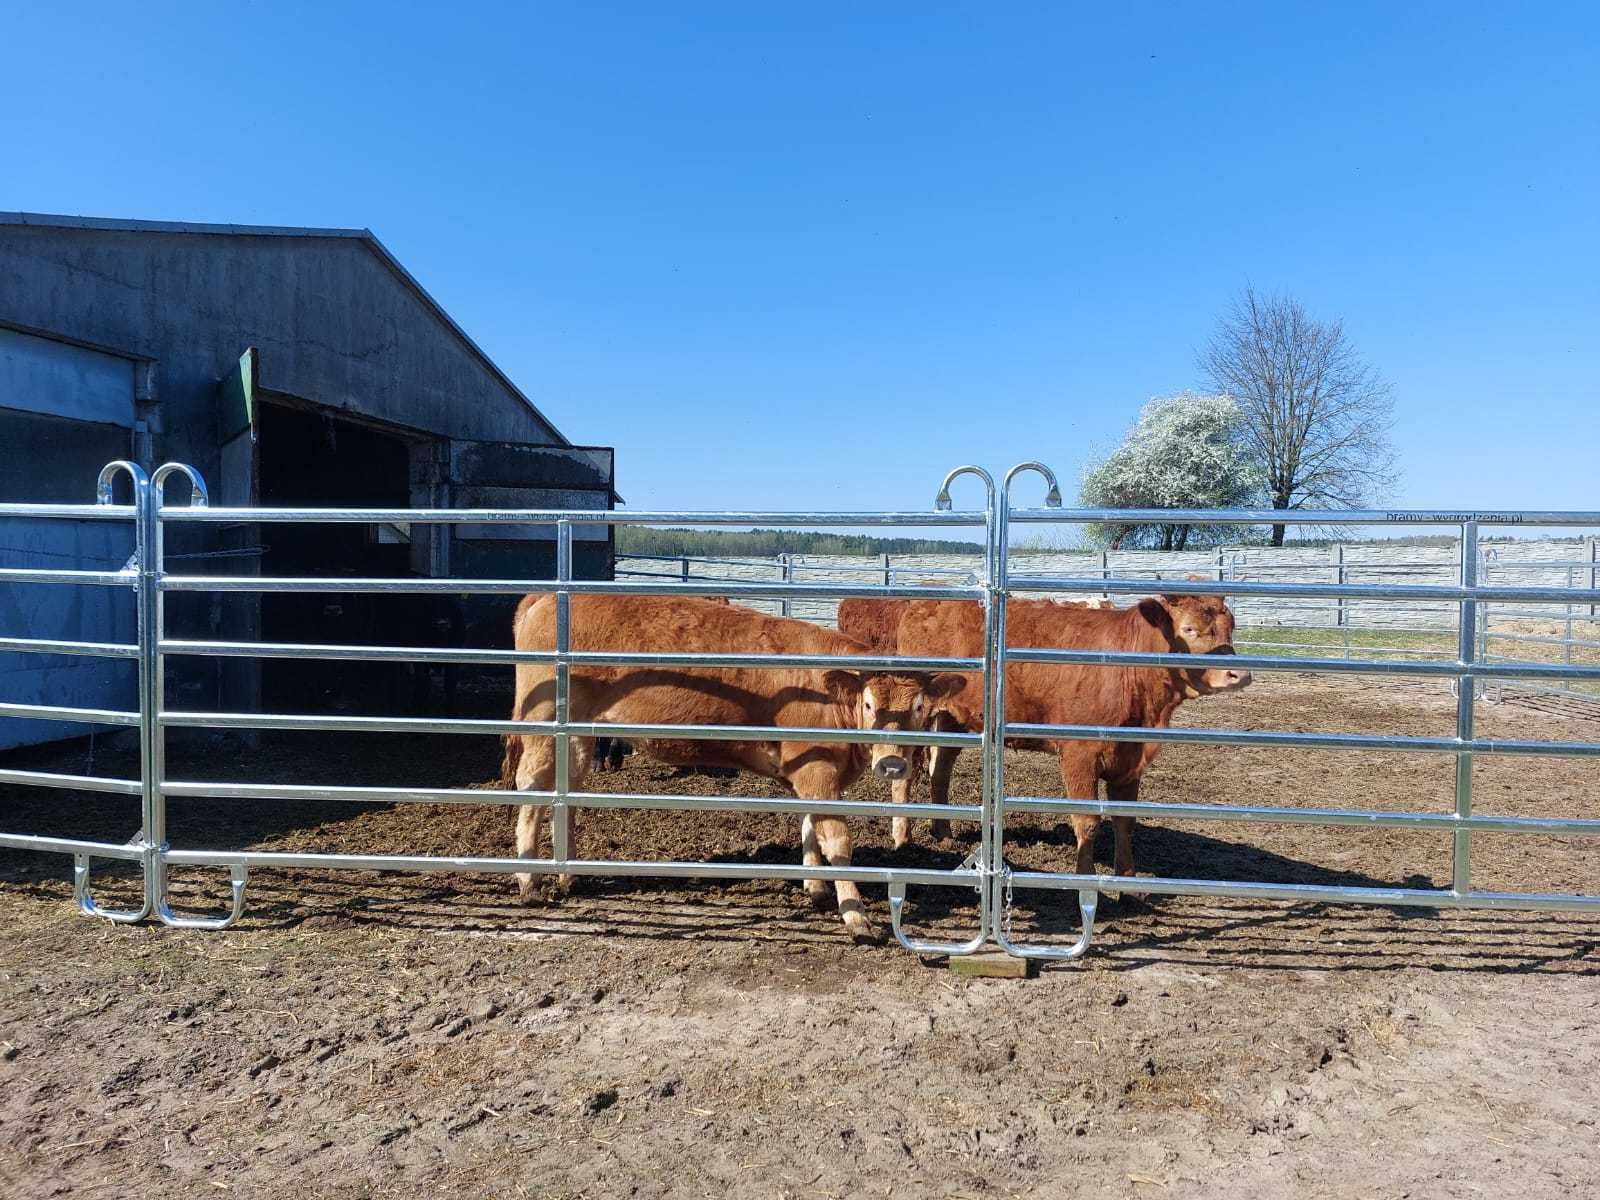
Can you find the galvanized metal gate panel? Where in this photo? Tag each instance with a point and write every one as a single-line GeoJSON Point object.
{"type": "Point", "coordinates": [986, 872]}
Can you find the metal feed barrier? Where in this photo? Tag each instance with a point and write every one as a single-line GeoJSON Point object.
{"type": "Point", "coordinates": [985, 872]}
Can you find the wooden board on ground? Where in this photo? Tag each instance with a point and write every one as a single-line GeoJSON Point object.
{"type": "Point", "coordinates": [992, 964]}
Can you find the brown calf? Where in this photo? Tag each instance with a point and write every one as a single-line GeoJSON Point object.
{"type": "Point", "coordinates": [770, 696]}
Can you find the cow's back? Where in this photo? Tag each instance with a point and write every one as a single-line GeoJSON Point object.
{"type": "Point", "coordinates": [872, 622]}
{"type": "Point", "coordinates": [1038, 692]}
{"type": "Point", "coordinates": [683, 695]}
{"type": "Point", "coordinates": [687, 624]}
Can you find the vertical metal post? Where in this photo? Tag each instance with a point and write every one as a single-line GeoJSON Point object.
{"type": "Point", "coordinates": [888, 574]}
{"type": "Point", "coordinates": [560, 815]}
{"type": "Point", "coordinates": [153, 704]}
{"type": "Point", "coordinates": [152, 697]}
{"type": "Point", "coordinates": [788, 577]}
{"type": "Point", "coordinates": [144, 594]}
{"type": "Point", "coordinates": [983, 857]}
{"type": "Point", "coordinates": [1594, 570]}
{"type": "Point", "coordinates": [1484, 574]}
{"type": "Point", "coordinates": [1338, 578]}
{"type": "Point", "coordinates": [995, 732]}
{"type": "Point", "coordinates": [1105, 571]}
{"type": "Point", "coordinates": [1571, 583]}
{"type": "Point", "coordinates": [1466, 691]}
{"type": "Point", "coordinates": [683, 564]}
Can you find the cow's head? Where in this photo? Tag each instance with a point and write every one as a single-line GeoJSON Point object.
{"type": "Point", "coordinates": [893, 700]}
{"type": "Point", "coordinates": [1198, 625]}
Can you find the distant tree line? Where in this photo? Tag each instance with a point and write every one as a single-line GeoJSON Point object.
{"type": "Point", "coordinates": [769, 543]}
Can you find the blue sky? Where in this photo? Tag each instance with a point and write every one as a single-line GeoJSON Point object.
{"type": "Point", "coordinates": [814, 255]}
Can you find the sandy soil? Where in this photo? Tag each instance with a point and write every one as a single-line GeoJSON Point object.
{"type": "Point", "coordinates": [388, 1034]}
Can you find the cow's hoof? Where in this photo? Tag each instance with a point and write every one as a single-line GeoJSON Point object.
{"type": "Point", "coordinates": [864, 932]}
{"type": "Point", "coordinates": [529, 892]}
{"type": "Point", "coordinates": [821, 896]}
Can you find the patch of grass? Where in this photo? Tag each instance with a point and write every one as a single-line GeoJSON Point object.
{"type": "Point", "coordinates": [1292, 641]}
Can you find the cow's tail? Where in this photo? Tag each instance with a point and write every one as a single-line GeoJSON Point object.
{"type": "Point", "coordinates": [512, 759]}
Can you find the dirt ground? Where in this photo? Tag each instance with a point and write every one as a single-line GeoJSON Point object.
{"type": "Point", "coordinates": [388, 1034]}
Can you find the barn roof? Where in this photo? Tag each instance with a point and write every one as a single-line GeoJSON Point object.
{"type": "Point", "coordinates": [365, 236]}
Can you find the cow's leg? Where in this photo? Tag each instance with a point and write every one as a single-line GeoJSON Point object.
{"type": "Point", "coordinates": [1080, 781]}
{"type": "Point", "coordinates": [900, 827]}
{"type": "Point", "coordinates": [833, 836]}
{"type": "Point", "coordinates": [580, 759]}
{"type": "Point", "coordinates": [827, 840]}
{"type": "Point", "coordinates": [941, 765]}
{"type": "Point", "coordinates": [811, 856]}
{"type": "Point", "coordinates": [535, 771]}
{"type": "Point", "coordinates": [1123, 826]}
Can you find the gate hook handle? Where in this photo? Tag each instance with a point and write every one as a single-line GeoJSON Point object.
{"type": "Point", "coordinates": [1052, 498]}
{"type": "Point", "coordinates": [942, 500]}
{"type": "Point", "coordinates": [199, 497]}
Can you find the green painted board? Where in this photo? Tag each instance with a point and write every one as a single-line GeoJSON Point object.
{"type": "Point", "coordinates": [236, 397]}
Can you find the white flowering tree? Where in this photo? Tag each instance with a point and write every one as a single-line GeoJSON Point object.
{"type": "Point", "coordinates": [1185, 451]}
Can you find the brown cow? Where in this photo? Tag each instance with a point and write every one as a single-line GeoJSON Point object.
{"type": "Point", "coordinates": [770, 696]}
{"type": "Point", "coordinates": [1039, 693]}
{"type": "Point", "coordinates": [876, 624]}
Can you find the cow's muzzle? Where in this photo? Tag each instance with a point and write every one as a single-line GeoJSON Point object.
{"type": "Point", "coordinates": [890, 766]}
{"type": "Point", "coordinates": [1227, 679]}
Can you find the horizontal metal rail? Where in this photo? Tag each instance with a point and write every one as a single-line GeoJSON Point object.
{"type": "Point", "coordinates": [1022, 731]}
{"type": "Point", "coordinates": [1259, 814]}
{"type": "Point", "coordinates": [710, 733]}
{"type": "Point", "coordinates": [641, 800]}
{"type": "Point", "coordinates": [754, 561]}
{"type": "Point", "coordinates": [520, 587]}
{"type": "Point", "coordinates": [1332, 591]}
{"type": "Point", "coordinates": [578, 658]}
{"type": "Point", "coordinates": [58, 712]}
{"type": "Point", "coordinates": [544, 866]}
{"type": "Point", "coordinates": [1304, 893]}
{"type": "Point", "coordinates": [1298, 516]}
{"type": "Point", "coordinates": [56, 646]}
{"type": "Point", "coordinates": [127, 851]}
{"type": "Point", "coordinates": [62, 575]}
{"type": "Point", "coordinates": [624, 573]}
{"type": "Point", "coordinates": [75, 783]}
{"type": "Point", "coordinates": [1540, 614]}
{"type": "Point", "coordinates": [1264, 662]}
{"type": "Point", "coordinates": [44, 645]}
{"type": "Point", "coordinates": [71, 512]}
{"type": "Point", "coordinates": [548, 516]}
{"type": "Point", "coordinates": [1541, 639]}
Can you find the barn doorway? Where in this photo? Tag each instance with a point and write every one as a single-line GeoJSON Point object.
{"type": "Point", "coordinates": [311, 458]}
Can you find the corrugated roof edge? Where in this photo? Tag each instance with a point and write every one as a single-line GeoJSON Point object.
{"type": "Point", "coordinates": [366, 236]}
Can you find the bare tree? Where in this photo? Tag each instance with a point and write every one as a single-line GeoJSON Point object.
{"type": "Point", "coordinates": [1317, 417]}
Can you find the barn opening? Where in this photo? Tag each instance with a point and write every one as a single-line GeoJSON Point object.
{"type": "Point", "coordinates": [310, 457]}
